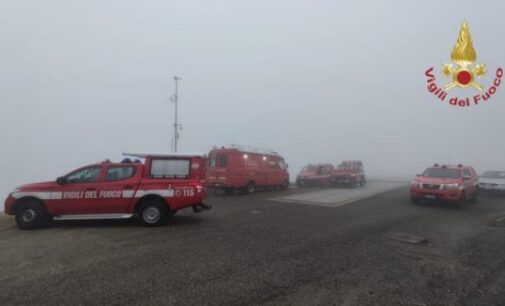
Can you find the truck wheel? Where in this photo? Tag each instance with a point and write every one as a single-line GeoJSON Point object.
{"type": "Point", "coordinates": [354, 184]}
{"type": "Point", "coordinates": [285, 185]}
{"type": "Point", "coordinates": [463, 199]}
{"type": "Point", "coordinates": [250, 188]}
{"type": "Point", "coordinates": [31, 214]}
{"type": "Point", "coordinates": [152, 213]}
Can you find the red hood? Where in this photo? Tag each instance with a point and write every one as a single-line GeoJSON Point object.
{"type": "Point", "coordinates": [435, 180]}
{"type": "Point", "coordinates": [39, 186]}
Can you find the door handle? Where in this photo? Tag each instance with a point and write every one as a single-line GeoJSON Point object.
{"type": "Point", "coordinates": [128, 187]}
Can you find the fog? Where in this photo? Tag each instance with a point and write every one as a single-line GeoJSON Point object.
{"type": "Point", "coordinates": [81, 81]}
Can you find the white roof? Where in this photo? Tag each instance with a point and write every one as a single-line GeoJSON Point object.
{"type": "Point", "coordinates": [144, 155]}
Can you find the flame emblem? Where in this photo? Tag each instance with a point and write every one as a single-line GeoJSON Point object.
{"type": "Point", "coordinates": [464, 56]}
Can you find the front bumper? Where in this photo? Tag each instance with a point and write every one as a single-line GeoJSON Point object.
{"type": "Point", "coordinates": [9, 204]}
{"type": "Point", "coordinates": [448, 195]}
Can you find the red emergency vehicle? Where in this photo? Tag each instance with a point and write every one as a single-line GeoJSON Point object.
{"type": "Point", "coordinates": [152, 187]}
{"type": "Point", "coordinates": [448, 183]}
{"type": "Point", "coordinates": [246, 168]}
{"type": "Point", "coordinates": [315, 175]}
{"type": "Point", "coordinates": [350, 173]}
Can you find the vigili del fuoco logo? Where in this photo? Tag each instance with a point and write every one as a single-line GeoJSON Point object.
{"type": "Point", "coordinates": [464, 73]}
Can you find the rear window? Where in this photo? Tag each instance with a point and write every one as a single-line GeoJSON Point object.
{"type": "Point", "coordinates": [170, 168]}
{"type": "Point", "coordinates": [117, 173]}
{"type": "Point", "coordinates": [442, 173]}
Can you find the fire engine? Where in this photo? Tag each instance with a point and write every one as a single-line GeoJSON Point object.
{"type": "Point", "coordinates": [246, 169]}
{"type": "Point", "coordinates": [315, 175]}
{"type": "Point", "coordinates": [152, 187]}
{"type": "Point", "coordinates": [349, 173]}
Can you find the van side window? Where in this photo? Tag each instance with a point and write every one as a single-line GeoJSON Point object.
{"type": "Point", "coordinates": [273, 164]}
{"type": "Point", "coordinates": [467, 172]}
{"type": "Point", "coordinates": [222, 161]}
{"type": "Point", "coordinates": [170, 168]}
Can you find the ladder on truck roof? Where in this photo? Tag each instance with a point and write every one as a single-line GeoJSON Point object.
{"type": "Point", "coordinates": [144, 155]}
{"type": "Point", "coordinates": [251, 149]}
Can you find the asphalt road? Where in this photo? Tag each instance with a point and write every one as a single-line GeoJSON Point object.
{"type": "Point", "coordinates": [249, 250]}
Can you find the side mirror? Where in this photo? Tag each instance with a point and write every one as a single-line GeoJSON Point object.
{"type": "Point", "coordinates": [61, 180]}
{"type": "Point", "coordinates": [418, 175]}
{"type": "Point", "coordinates": [287, 166]}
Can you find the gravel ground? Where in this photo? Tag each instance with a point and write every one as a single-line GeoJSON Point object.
{"type": "Point", "coordinates": [248, 250]}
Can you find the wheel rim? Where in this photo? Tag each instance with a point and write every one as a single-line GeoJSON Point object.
{"type": "Point", "coordinates": [151, 214]}
{"type": "Point", "coordinates": [28, 216]}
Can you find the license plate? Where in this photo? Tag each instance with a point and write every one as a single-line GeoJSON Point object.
{"type": "Point", "coordinates": [431, 197]}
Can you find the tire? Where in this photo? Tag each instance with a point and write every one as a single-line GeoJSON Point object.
{"type": "Point", "coordinates": [285, 185]}
{"type": "Point", "coordinates": [476, 195]}
{"type": "Point", "coordinates": [31, 214]}
{"type": "Point", "coordinates": [153, 213]}
{"type": "Point", "coordinates": [354, 184]}
{"type": "Point", "coordinates": [250, 188]}
{"type": "Point", "coordinates": [463, 199]}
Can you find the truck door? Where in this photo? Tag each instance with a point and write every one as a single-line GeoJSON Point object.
{"type": "Point", "coordinates": [79, 193]}
{"type": "Point", "coordinates": [116, 192]}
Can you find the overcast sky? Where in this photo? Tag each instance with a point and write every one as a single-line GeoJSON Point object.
{"type": "Point", "coordinates": [81, 81]}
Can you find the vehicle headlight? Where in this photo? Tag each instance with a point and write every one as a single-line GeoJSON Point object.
{"type": "Point", "coordinates": [450, 186]}
{"type": "Point", "coordinates": [416, 184]}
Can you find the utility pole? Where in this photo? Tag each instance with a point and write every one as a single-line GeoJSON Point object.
{"type": "Point", "coordinates": [175, 99]}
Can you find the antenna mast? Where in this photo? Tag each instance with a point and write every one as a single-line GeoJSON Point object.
{"type": "Point", "coordinates": [175, 99]}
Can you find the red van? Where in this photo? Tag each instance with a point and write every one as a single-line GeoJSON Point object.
{"type": "Point", "coordinates": [244, 168]}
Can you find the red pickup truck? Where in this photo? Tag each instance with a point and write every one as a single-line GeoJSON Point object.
{"type": "Point", "coordinates": [455, 184]}
{"type": "Point", "coordinates": [315, 175]}
{"type": "Point", "coordinates": [152, 188]}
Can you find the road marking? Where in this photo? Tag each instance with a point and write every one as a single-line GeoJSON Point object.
{"type": "Point", "coordinates": [408, 238]}
{"type": "Point", "coordinates": [333, 197]}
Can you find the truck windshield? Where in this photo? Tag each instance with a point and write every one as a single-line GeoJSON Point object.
{"type": "Point", "coordinates": [309, 168]}
{"type": "Point", "coordinates": [442, 173]}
